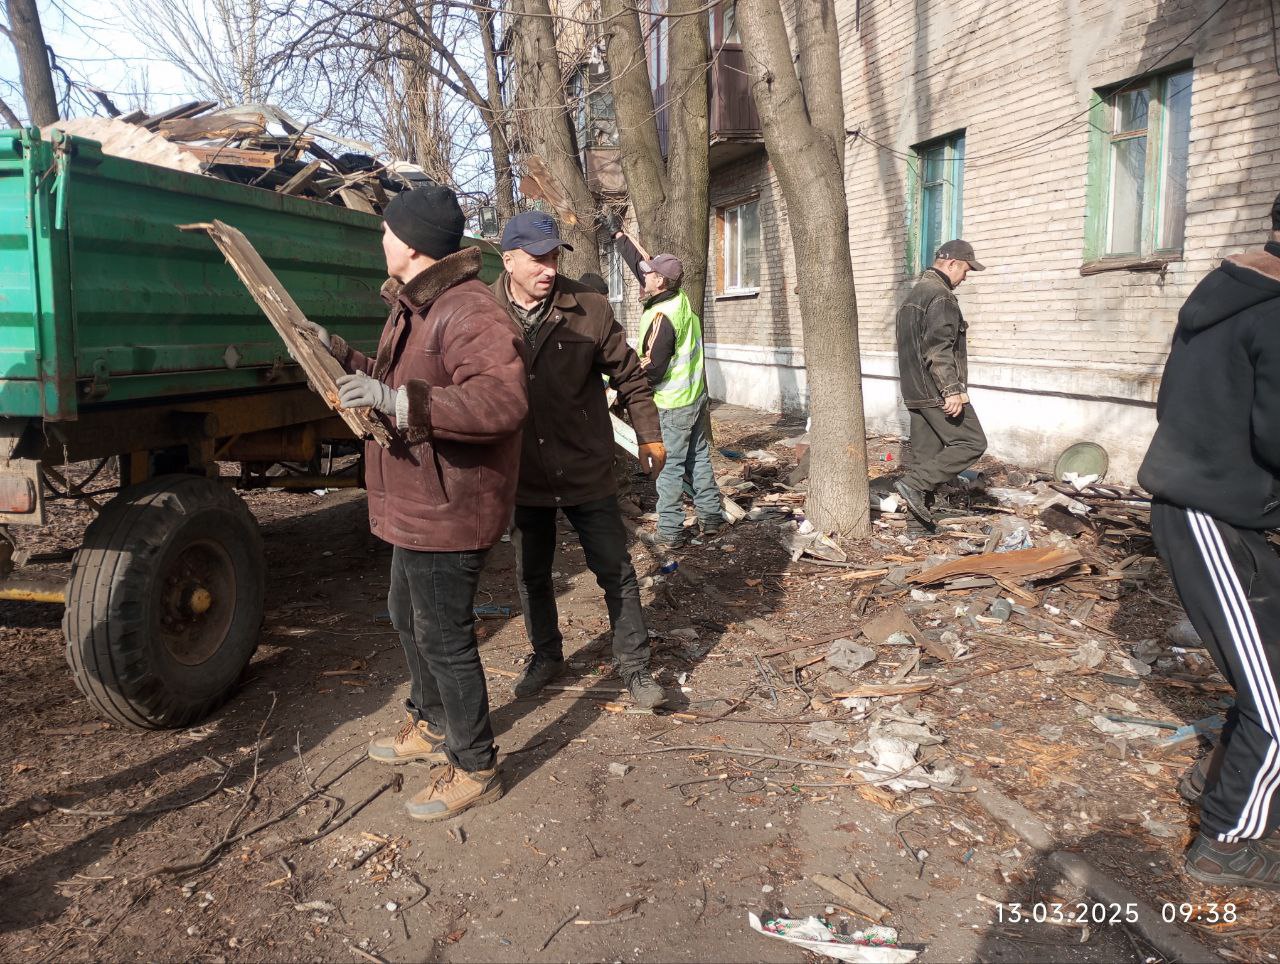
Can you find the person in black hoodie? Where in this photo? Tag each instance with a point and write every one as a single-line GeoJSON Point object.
{"type": "Point", "coordinates": [1213, 470]}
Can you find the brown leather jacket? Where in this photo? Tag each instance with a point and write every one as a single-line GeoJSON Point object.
{"type": "Point", "coordinates": [448, 481]}
{"type": "Point", "coordinates": [567, 457]}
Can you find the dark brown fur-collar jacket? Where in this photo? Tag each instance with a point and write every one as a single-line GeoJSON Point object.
{"type": "Point", "coordinates": [448, 481]}
{"type": "Point", "coordinates": [568, 441]}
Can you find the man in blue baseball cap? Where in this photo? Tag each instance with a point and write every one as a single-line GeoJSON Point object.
{"type": "Point", "coordinates": [566, 461]}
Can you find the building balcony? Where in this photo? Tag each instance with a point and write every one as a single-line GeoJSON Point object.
{"type": "Point", "coordinates": [735, 124]}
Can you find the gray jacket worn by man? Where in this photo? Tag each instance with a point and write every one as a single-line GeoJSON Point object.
{"type": "Point", "coordinates": [933, 360]}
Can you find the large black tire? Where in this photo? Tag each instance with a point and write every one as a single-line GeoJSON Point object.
{"type": "Point", "coordinates": [164, 607]}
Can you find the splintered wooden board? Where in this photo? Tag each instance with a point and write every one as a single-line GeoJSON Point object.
{"type": "Point", "coordinates": [1033, 564]}
{"type": "Point", "coordinates": [323, 370]}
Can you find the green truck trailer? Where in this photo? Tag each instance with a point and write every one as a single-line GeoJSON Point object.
{"type": "Point", "coordinates": [127, 343]}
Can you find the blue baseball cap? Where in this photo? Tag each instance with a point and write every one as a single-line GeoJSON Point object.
{"type": "Point", "coordinates": [534, 232]}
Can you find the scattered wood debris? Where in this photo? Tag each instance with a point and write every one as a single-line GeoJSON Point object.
{"type": "Point", "coordinates": [241, 144]}
{"type": "Point", "coordinates": [1034, 564]}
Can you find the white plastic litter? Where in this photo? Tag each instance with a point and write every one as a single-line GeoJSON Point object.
{"type": "Point", "coordinates": [892, 754]}
{"type": "Point", "coordinates": [1019, 538]}
{"type": "Point", "coordinates": [1079, 482]}
{"type": "Point", "coordinates": [871, 945]}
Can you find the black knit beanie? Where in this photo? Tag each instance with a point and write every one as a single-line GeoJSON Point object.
{"type": "Point", "coordinates": [427, 219]}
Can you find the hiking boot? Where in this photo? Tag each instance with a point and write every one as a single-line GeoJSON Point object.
{"type": "Point", "coordinates": [1196, 777]}
{"type": "Point", "coordinates": [915, 500]}
{"type": "Point", "coordinates": [1244, 863]}
{"type": "Point", "coordinates": [540, 671]}
{"type": "Point", "coordinates": [711, 527]}
{"type": "Point", "coordinates": [415, 741]}
{"type": "Point", "coordinates": [645, 690]}
{"type": "Point", "coordinates": [662, 542]}
{"type": "Point", "coordinates": [450, 791]}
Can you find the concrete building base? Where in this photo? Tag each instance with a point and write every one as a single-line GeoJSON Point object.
{"type": "Point", "coordinates": [1031, 411]}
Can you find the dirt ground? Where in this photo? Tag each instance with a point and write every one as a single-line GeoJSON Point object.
{"type": "Point", "coordinates": [661, 862]}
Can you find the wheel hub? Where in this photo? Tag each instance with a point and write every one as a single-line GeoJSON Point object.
{"type": "Point", "coordinates": [197, 603]}
{"type": "Point", "coordinates": [200, 601]}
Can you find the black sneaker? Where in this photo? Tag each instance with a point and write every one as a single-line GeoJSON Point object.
{"type": "Point", "coordinates": [915, 500]}
{"type": "Point", "coordinates": [1192, 783]}
{"type": "Point", "coordinates": [1244, 863]}
{"type": "Point", "coordinates": [645, 690]}
{"type": "Point", "coordinates": [711, 527]}
{"type": "Point", "coordinates": [538, 674]}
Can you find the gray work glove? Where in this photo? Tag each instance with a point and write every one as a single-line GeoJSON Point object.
{"type": "Point", "coordinates": [361, 391]}
{"type": "Point", "coordinates": [321, 333]}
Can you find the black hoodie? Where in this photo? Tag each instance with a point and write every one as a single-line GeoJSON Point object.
{"type": "Point", "coordinates": [1217, 447]}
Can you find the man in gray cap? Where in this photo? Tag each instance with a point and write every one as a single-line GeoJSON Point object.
{"type": "Point", "coordinates": [566, 462]}
{"type": "Point", "coordinates": [933, 368]}
{"type": "Point", "coordinates": [672, 351]}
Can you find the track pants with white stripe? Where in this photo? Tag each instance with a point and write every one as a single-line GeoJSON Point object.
{"type": "Point", "coordinates": [1229, 582]}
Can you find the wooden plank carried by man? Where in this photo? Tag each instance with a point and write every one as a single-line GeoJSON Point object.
{"type": "Point", "coordinates": [322, 368]}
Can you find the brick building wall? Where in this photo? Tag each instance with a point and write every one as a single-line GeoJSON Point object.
{"type": "Point", "coordinates": [1056, 356]}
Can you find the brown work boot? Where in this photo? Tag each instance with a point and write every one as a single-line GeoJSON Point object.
{"type": "Point", "coordinates": [415, 741]}
{"type": "Point", "coordinates": [1243, 863]}
{"type": "Point", "coordinates": [450, 791]}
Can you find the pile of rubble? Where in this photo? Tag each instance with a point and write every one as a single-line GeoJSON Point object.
{"type": "Point", "coordinates": [255, 144]}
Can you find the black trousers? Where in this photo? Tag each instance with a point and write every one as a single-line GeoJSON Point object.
{"type": "Point", "coordinates": [604, 542]}
{"type": "Point", "coordinates": [432, 603]}
{"type": "Point", "coordinates": [942, 447]}
{"type": "Point", "coordinates": [1229, 582]}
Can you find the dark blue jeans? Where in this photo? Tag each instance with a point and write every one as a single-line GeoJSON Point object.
{"type": "Point", "coordinates": [431, 604]}
{"type": "Point", "coordinates": [604, 543]}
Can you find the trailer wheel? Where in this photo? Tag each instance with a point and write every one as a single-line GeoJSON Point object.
{"type": "Point", "coordinates": [165, 602]}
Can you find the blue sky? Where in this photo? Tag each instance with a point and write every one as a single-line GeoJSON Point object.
{"type": "Point", "coordinates": [103, 49]}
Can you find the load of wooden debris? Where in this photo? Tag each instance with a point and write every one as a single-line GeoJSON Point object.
{"type": "Point", "coordinates": [255, 144]}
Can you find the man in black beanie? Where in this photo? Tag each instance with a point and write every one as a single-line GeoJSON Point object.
{"type": "Point", "coordinates": [1214, 472]}
{"type": "Point", "coordinates": [449, 381]}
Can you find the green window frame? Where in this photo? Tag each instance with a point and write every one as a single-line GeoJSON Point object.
{"type": "Point", "coordinates": [935, 188]}
{"type": "Point", "coordinates": [1139, 156]}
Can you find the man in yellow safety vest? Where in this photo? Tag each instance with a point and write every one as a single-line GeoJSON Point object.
{"type": "Point", "coordinates": [670, 348]}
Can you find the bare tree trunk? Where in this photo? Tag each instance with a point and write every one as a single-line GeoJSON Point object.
{"type": "Point", "coordinates": [504, 188]}
{"type": "Point", "coordinates": [33, 61]}
{"type": "Point", "coordinates": [547, 122]}
{"type": "Point", "coordinates": [6, 112]}
{"type": "Point", "coordinates": [669, 196]}
{"type": "Point", "coordinates": [802, 117]}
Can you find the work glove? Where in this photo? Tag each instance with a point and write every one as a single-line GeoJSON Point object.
{"type": "Point", "coordinates": [653, 456]}
{"type": "Point", "coordinates": [360, 391]}
{"type": "Point", "coordinates": [321, 333]}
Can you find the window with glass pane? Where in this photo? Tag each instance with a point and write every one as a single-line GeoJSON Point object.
{"type": "Point", "coordinates": [1177, 143]}
{"type": "Point", "coordinates": [614, 262]}
{"type": "Point", "coordinates": [1145, 128]}
{"type": "Point", "coordinates": [740, 246]}
{"type": "Point", "coordinates": [939, 197]}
